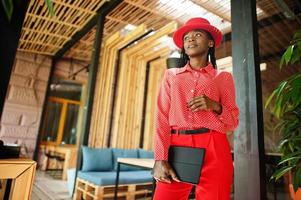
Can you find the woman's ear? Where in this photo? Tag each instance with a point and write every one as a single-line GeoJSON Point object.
{"type": "Point", "coordinates": [211, 43]}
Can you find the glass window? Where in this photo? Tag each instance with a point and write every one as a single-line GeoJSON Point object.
{"type": "Point", "coordinates": [69, 136]}
{"type": "Point", "coordinates": [60, 122]}
{"type": "Point", "coordinates": [51, 122]}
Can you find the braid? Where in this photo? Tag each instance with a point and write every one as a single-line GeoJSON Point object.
{"type": "Point", "coordinates": [211, 52]}
{"type": "Point", "coordinates": [183, 58]}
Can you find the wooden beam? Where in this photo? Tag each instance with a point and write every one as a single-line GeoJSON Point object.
{"type": "Point", "coordinates": [212, 10]}
{"type": "Point", "coordinates": [153, 11]}
{"type": "Point", "coordinates": [105, 9]}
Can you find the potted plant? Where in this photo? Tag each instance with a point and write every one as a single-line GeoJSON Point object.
{"type": "Point", "coordinates": [286, 101]}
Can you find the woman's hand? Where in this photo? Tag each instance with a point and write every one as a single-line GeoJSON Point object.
{"type": "Point", "coordinates": [163, 172]}
{"type": "Point", "coordinates": [204, 103]}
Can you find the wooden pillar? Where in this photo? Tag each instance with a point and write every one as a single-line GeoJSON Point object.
{"type": "Point", "coordinates": [249, 169]}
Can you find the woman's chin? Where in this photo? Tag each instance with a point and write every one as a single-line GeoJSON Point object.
{"type": "Point", "coordinates": [195, 52]}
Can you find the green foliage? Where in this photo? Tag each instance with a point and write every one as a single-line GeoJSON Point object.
{"type": "Point", "coordinates": [50, 6]}
{"type": "Point", "coordinates": [286, 100]}
{"type": "Point", "coordinates": [293, 52]}
{"type": "Point", "coordinates": [8, 6]}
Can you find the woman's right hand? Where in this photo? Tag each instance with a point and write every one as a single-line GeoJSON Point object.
{"type": "Point", "coordinates": [163, 172]}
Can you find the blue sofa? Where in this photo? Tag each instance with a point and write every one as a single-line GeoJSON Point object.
{"type": "Point", "coordinates": [100, 164]}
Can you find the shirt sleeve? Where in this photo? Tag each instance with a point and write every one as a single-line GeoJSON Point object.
{"type": "Point", "coordinates": [230, 111]}
{"type": "Point", "coordinates": [162, 135]}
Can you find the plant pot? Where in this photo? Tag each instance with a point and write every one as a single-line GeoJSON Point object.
{"type": "Point", "coordinates": [294, 195]}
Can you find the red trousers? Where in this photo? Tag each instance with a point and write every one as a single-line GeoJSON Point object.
{"type": "Point", "coordinates": [216, 175]}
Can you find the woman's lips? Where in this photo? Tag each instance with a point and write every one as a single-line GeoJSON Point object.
{"type": "Point", "coordinates": [192, 46]}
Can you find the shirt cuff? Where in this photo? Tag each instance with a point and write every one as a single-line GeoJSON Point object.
{"type": "Point", "coordinates": [225, 115]}
{"type": "Point", "coordinates": [161, 155]}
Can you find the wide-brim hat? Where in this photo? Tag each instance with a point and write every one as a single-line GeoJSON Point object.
{"type": "Point", "coordinates": [197, 23]}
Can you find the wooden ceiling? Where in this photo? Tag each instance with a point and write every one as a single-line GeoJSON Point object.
{"type": "Point", "coordinates": [45, 34]}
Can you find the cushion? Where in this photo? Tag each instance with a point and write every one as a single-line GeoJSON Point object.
{"type": "Point", "coordinates": [97, 159]}
{"type": "Point", "coordinates": [108, 178]}
{"type": "Point", "coordinates": [125, 153]}
{"type": "Point", "coordinates": [145, 154]}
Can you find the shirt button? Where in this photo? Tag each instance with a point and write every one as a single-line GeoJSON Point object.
{"type": "Point", "coordinates": [191, 90]}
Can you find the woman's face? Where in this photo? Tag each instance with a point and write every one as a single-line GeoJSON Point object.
{"type": "Point", "coordinates": [196, 43]}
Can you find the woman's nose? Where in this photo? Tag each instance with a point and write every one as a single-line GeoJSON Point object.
{"type": "Point", "coordinates": [191, 38]}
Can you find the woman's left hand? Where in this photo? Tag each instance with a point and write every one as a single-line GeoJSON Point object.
{"type": "Point", "coordinates": [204, 103]}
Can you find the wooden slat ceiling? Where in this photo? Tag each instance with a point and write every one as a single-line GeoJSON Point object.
{"type": "Point", "coordinates": [44, 34]}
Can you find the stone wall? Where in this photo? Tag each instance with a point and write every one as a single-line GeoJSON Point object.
{"type": "Point", "coordinates": [24, 101]}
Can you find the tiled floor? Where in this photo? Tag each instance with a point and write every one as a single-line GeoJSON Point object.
{"type": "Point", "coordinates": [47, 188]}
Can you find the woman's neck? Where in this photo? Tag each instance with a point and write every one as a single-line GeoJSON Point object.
{"type": "Point", "coordinates": [198, 62]}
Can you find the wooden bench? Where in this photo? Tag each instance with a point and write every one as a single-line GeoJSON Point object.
{"type": "Point", "coordinates": [89, 191]}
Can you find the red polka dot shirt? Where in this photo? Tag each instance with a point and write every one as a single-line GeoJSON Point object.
{"type": "Point", "coordinates": [179, 86]}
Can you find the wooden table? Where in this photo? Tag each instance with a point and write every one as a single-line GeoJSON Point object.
{"type": "Point", "coordinates": [20, 173]}
{"type": "Point", "coordinates": [136, 162]}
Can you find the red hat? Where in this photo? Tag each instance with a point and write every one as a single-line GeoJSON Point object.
{"type": "Point", "coordinates": [195, 24]}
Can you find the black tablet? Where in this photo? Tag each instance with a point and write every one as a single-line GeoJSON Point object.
{"type": "Point", "coordinates": [187, 162]}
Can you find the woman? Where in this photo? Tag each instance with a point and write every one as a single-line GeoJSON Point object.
{"type": "Point", "coordinates": [195, 108]}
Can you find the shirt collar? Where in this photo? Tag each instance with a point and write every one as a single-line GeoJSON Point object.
{"type": "Point", "coordinates": [209, 69]}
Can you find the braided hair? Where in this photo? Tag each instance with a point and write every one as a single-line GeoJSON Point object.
{"type": "Point", "coordinates": [210, 55]}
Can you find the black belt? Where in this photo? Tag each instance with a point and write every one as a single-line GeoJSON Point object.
{"type": "Point", "coordinates": [193, 131]}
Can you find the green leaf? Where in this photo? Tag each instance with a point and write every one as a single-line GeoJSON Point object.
{"type": "Point", "coordinates": [289, 159]}
{"type": "Point", "coordinates": [50, 7]}
{"type": "Point", "coordinates": [296, 91]}
{"type": "Point", "coordinates": [297, 179]}
{"type": "Point", "coordinates": [279, 98]}
{"type": "Point", "coordinates": [278, 107]}
{"type": "Point", "coordinates": [279, 173]}
{"type": "Point", "coordinates": [292, 154]}
{"type": "Point", "coordinates": [297, 34]}
{"type": "Point", "coordinates": [280, 88]}
{"type": "Point", "coordinates": [288, 54]}
{"type": "Point", "coordinates": [268, 101]}
{"type": "Point", "coordinates": [8, 8]}
{"type": "Point", "coordinates": [296, 54]}
{"type": "Point", "coordinates": [282, 61]}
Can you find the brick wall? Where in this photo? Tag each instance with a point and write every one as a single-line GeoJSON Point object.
{"type": "Point", "coordinates": [24, 100]}
{"type": "Point", "coordinates": [25, 96]}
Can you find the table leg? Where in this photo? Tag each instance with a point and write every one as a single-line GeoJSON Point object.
{"type": "Point", "coordinates": [117, 181]}
{"type": "Point", "coordinates": [154, 188]}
